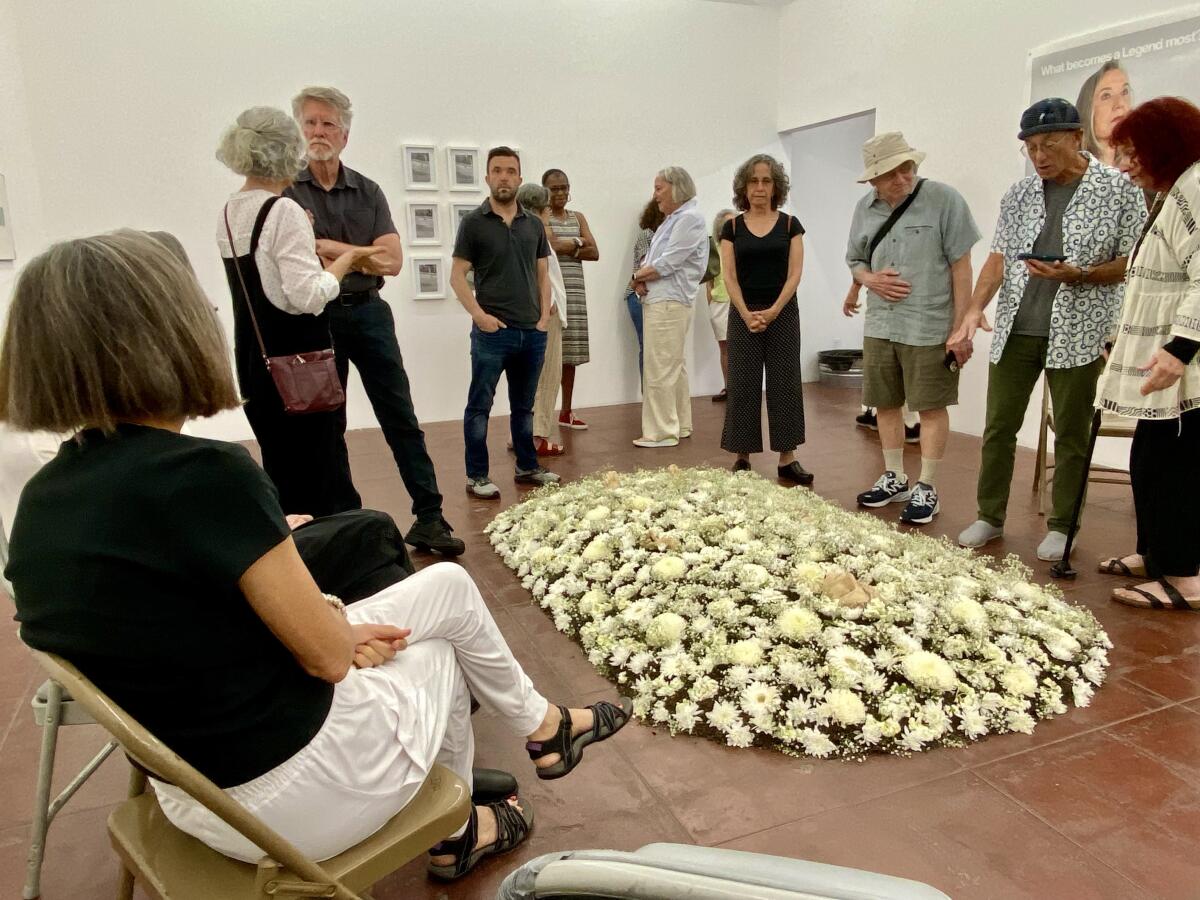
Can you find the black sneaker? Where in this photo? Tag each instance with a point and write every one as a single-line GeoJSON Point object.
{"type": "Point", "coordinates": [538, 476]}
{"type": "Point", "coordinates": [435, 537]}
{"type": "Point", "coordinates": [867, 420]}
{"type": "Point", "coordinates": [890, 488]}
{"type": "Point", "coordinates": [922, 507]}
{"type": "Point", "coordinates": [912, 434]}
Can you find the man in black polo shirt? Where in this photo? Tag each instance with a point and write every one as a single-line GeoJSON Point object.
{"type": "Point", "coordinates": [510, 309]}
{"type": "Point", "coordinates": [350, 210]}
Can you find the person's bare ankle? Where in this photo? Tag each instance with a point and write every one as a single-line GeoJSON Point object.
{"type": "Point", "coordinates": [549, 725]}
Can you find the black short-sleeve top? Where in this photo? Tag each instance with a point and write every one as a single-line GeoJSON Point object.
{"type": "Point", "coordinates": [762, 262]}
{"type": "Point", "coordinates": [125, 556]}
{"type": "Point", "coordinates": [505, 259]}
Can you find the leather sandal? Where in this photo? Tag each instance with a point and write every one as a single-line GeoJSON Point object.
{"type": "Point", "coordinates": [607, 720]}
{"type": "Point", "coordinates": [512, 827]}
{"type": "Point", "coordinates": [1115, 565]}
{"type": "Point", "coordinates": [1146, 600]}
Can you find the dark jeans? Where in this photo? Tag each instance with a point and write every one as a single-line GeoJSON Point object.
{"type": "Point", "coordinates": [517, 353]}
{"type": "Point", "coordinates": [365, 334]}
{"type": "Point", "coordinates": [1166, 495]}
{"type": "Point", "coordinates": [634, 302]}
{"type": "Point", "coordinates": [353, 554]}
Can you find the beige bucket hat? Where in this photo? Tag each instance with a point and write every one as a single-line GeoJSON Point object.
{"type": "Point", "coordinates": [885, 152]}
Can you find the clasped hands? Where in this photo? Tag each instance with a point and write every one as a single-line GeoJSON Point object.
{"type": "Point", "coordinates": [757, 320]}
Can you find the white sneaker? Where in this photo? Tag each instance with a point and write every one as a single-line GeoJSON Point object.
{"type": "Point", "coordinates": [979, 533]}
{"type": "Point", "coordinates": [1052, 547]}
{"type": "Point", "coordinates": [651, 444]}
{"type": "Point", "coordinates": [482, 488]}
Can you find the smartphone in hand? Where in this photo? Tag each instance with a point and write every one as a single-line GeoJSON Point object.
{"type": "Point", "coordinates": [1042, 257]}
{"type": "Point", "coordinates": [951, 361]}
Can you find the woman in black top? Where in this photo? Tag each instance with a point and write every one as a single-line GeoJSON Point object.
{"type": "Point", "coordinates": [762, 257]}
{"type": "Point", "coordinates": [162, 566]}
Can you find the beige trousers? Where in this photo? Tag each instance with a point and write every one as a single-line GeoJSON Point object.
{"type": "Point", "coordinates": [666, 400]}
{"type": "Point", "coordinates": [545, 423]}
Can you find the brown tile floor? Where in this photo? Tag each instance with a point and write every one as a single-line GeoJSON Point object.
{"type": "Point", "coordinates": [1100, 803]}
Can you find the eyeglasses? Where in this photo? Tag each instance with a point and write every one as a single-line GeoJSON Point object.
{"type": "Point", "coordinates": [1045, 147]}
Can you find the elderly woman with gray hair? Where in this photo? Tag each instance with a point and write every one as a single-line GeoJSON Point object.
{"type": "Point", "coordinates": [268, 247]}
{"type": "Point", "coordinates": [667, 283]}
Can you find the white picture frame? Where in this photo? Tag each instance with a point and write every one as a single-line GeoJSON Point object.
{"type": "Point", "coordinates": [457, 211]}
{"type": "Point", "coordinates": [424, 223]}
{"type": "Point", "coordinates": [464, 168]}
{"type": "Point", "coordinates": [420, 167]}
{"type": "Point", "coordinates": [429, 277]}
{"type": "Point", "coordinates": [8, 250]}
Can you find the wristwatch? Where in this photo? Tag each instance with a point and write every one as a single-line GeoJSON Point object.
{"type": "Point", "coordinates": [1084, 272]}
{"type": "Point", "coordinates": [578, 241]}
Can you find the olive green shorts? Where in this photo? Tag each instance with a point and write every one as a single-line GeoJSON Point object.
{"type": "Point", "coordinates": [898, 374]}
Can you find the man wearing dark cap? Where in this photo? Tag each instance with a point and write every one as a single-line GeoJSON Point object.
{"type": "Point", "coordinates": [1058, 259]}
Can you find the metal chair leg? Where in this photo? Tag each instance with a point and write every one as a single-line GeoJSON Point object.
{"type": "Point", "coordinates": [41, 801]}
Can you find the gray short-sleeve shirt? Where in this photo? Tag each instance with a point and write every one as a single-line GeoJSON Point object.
{"type": "Point", "coordinates": [354, 211]}
{"type": "Point", "coordinates": [504, 258]}
{"type": "Point", "coordinates": [934, 232]}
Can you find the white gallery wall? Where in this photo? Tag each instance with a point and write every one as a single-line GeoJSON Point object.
{"type": "Point", "coordinates": [950, 74]}
{"type": "Point", "coordinates": [112, 113]}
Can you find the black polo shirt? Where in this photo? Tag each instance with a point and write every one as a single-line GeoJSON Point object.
{"type": "Point", "coordinates": [505, 262]}
{"type": "Point", "coordinates": [354, 211]}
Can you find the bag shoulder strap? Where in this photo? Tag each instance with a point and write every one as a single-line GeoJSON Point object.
{"type": "Point", "coordinates": [892, 220]}
{"type": "Point", "coordinates": [242, 280]}
{"type": "Point", "coordinates": [260, 220]}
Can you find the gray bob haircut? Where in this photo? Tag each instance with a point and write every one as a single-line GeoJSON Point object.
{"type": "Point", "coordinates": [265, 143]}
{"type": "Point", "coordinates": [719, 220]}
{"type": "Point", "coordinates": [533, 197]}
{"type": "Point", "coordinates": [330, 95]}
{"type": "Point", "coordinates": [683, 188]}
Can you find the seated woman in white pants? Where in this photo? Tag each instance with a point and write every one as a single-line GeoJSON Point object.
{"type": "Point", "coordinates": [667, 282]}
{"type": "Point", "coordinates": [162, 566]}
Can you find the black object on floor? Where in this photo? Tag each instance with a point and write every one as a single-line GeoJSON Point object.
{"type": "Point", "coordinates": [1062, 568]}
{"type": "Point", "coordinates": [796, 473]}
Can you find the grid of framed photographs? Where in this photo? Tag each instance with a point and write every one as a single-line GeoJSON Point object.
{"type": "Point", "coordinates": [429, 170]}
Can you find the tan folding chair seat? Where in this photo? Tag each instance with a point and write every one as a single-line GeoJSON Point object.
{"type": "Point", "coordinates": [170, 865]}
{"type": "Point", "coordinates": [1111, 425]}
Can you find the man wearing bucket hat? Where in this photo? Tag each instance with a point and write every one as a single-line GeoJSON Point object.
{"type": "Point", "coordinates": [910, 243]}
{"type": "Point", "coordinates": [1058, 261]}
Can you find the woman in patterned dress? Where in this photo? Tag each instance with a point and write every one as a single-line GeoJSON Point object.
{"type": "Point", "coordinates": [573, 244]}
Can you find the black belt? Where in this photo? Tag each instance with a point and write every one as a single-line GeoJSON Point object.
{"type": "Point", "coordinates": [355, 298]}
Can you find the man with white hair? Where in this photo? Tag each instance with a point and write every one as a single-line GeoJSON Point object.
{"type": "Point", "coordinates": [910, 247]}
{"type": "Point", "coordinates": [348, 210]}
{"type": "Point", "coordinates": [667, 282]}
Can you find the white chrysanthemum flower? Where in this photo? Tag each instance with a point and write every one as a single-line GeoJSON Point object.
{"type": "Point", "coordinates": [723, 715]}
{"type": "Point", "coordinates": [1061, 645]}
{"type": "Point", "coordinates": [809, 573]}
{"type": "Point", "coordinates": [597, 514]}
{"type": "Point", "coordinates": [969, 613]}
{"type": "Point", "coordinates": [665, 629]}
{"type": "Point", "coordinates": [1020, 721]}
{"type": "Point", "coordinates": [638, 662]}
{"type": "Point", "coordinates": [1081, 693]}
{"type": "Point", "coordinates": [758, 698]}
{"type": "Point", "coordinates": [928, 670]}
{"type": "Point", "coordinates": [798, 624]}
{"type": "Point", "coordinates": [848, 665]}
{"type": "Point", "coordinates": [872, 731]}
{"type": "Point", "coordinates": [1093, 671]}
{"type": "Point", "coordinates": [845, 707]}
{"type": "Point", "coordinates": [597, 549]}
{"type": "Point", "coordinates": [736, 535]}
{"type": "Point", "coordinates": [639, 502]}
{"type": "Point", "coordinates": [754, 576]}
{"type": "Point", "coordinates": [1019, 680]}
{"type": "Point", "coordinates": [739, 735]}
{"type": "Point", "coordinates": [746, 653]}
{"type": "Point", "coordinates": [703, 688]}
{"type": "Point", "coordinates": [594, 603]}
{"type": "Point", "coordinates": [816, 743]}
{"type": "Point", "coordinates": [686, 715]}
{"type": "Point", "coordinates": [543, 556]}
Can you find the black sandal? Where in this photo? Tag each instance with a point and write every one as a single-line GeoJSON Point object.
{"type": "Point", "coordinates": [607, 720]}
{"type": "Point", "coordinates": [1117, 566]}
{"type": "Point", "coordinates": [512, 827]}
{"type": "Point", "coordinates": [1178, 601]}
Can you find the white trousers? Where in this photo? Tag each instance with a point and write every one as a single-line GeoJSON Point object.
{"type": "Point", "coordinates": [666, 400]}
{"type": "Point", "coordinates": [387, 727]}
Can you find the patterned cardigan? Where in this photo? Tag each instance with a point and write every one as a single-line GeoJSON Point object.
{"type": "Point", "coordinates": [1101, 223]}
{"type": "Point", "coordinates": [1162, 300]}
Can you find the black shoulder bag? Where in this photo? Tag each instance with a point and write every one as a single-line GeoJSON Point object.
{"type": "Point", "coordinates": [892, 220]}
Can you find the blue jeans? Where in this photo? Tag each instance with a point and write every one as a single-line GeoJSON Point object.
{"type": "Point", "coordinates": [634, 302]}
{"type": "Point", "coordinates": [517, 353]}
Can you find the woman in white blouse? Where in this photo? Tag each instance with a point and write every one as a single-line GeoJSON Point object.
{"type": "Point", "coordinates": [273, 251]}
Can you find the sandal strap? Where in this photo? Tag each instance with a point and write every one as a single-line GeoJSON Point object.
{"type": "Point", "coordinates": [560, 743]}
{"type": "Point", "coordinates": [462, 846]}
{"type": "Point", "coordinates": [1177, 599]}
{"type": "Point", "coordinates": [607, 718]}
{"type": "Point", "coordinates": [511, 826]}
{"type": "Point", "coordinates": [1154, 602]}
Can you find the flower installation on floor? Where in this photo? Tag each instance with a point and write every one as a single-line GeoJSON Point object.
{"type": "Point", "coordinates": [731, 607]}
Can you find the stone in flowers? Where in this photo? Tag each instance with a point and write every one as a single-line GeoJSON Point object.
{"type": "Point", "coordinates": [759, 615]}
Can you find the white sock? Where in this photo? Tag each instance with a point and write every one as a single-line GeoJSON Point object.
{"type": "Point", "coordinates": [893, 461]}
{"type": "Point", "coordinates": [929, 469]}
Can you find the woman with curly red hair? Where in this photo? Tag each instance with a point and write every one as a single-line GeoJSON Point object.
{"type": "Point", "coordinates": [1153, 372]}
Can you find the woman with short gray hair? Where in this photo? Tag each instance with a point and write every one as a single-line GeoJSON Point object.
{"type": "Point", "coordinates": [269, 250]}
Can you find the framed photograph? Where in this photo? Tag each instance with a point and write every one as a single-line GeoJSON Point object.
{"type": "Point", "coordinates": [463, 165]}
{"type": "Point", "coordinates": [423, 225]}
{"type": "Point", "coordinates": [7, 250]}
{"type": "Point", "coordinates": [429, 277]}
{"type": "Point", "coordinates": [420, 167]}
{"type": "Point", "coordinates": [458, 212]}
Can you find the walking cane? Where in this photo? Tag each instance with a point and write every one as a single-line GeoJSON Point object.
{"type": "Point", "coordinates": [1062, 568]}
